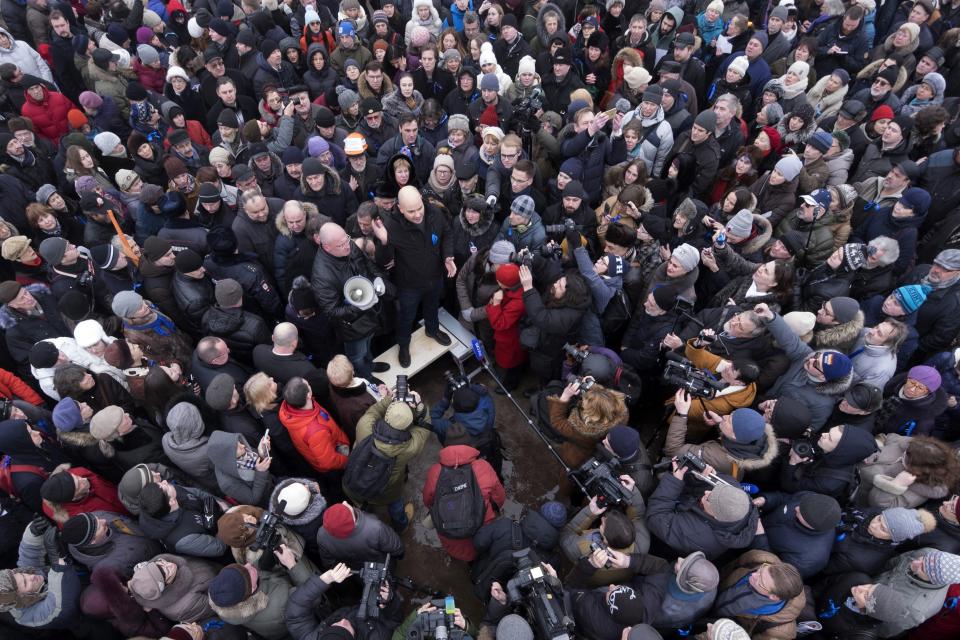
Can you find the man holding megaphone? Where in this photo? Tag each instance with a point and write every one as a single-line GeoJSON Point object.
{"type": "Point", "coordinates": [354, 310]}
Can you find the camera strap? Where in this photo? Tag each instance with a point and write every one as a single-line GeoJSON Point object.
{"type": "Point", "coordinates": [516, 536]}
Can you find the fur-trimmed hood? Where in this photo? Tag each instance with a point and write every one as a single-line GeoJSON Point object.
{"type": "Point", "coordinates": [549, 7]}
{"type": "Point", "coordinates": [764, 233]}
{"type": "Point", "coordinates": [840, 337]}
{"type": "Point", "coordinates": [826, 102]}
{"type": "Point", "coordinates": [834, 387]}
{"type": "Point", "coordinates": [243, 611]}
{"type": "Point", "coordinates": [773, 450]}
{"type": "Point", "coordinates": [365, 91]}
{"type": "Point", "coordinates": [911, 46]}
{"type": "Point", "coordinates": [76, 438]}
{"type": "Point", "coordinates": [314, 509]}
{"type": "Point", "coordinates": [871, 70]}
{"type": "Point", "coordinates": [308, 207]}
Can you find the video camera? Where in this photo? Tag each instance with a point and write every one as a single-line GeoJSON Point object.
{"type": "Point", "coordinates": [698, 468]}
{"type": "Point", "coordinates": [523, 259]}
{"type": "Point", "coordinates": [542, 600]}
{"type": "Point", "coordinates": [438, 624]}
{"type": "Point", "coordinates": [599, 481]}
{"type": "Point", "coordinates": [455, 382]}
{"type": "Point", "coordinates": [525, 110]}
{"type": "Point", "coordinates": [373, 575]}
{"type": "Point", "coordinates": [268, 538]}
{"type": "Point", "coordinates": [680, 372]}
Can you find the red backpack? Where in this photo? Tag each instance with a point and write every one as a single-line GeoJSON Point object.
{"type": "Point", "coordinates": [7, 469]}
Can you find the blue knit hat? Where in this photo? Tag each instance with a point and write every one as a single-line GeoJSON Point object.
{"type": "Point", "coordinates": [231, 586]}
{"type": "Point", "coordinates": [66, 415]}
{"type": "Point", "coordinates": [554, 513]}
{"type": "Point", "coordinates": [835, 365]}
{"type": "Point", "coordinates": [748, 425]}
{"type": "Point", "coordinates": [911, 296]}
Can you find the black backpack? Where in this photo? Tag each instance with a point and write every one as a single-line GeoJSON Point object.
{"type": "Point", "coordinates": [368, 470]}
{"type": "Point", "coordinates": [458, 506]}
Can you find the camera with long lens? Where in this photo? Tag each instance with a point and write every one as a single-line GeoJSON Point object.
{"type": "Point", "coordinates": [438, 623]}
{"type": "Point", "coordinates": [567, 225]}
{"type": "Point", "coordinates": [402, 391]}
{"type": "Point", "coordinates": [680, 372]}
{"type": "Point", "coordinates": [542, 597]}
{"type": "Point", "coordinates": [373, 575]}
{"type": "Point", "coordinates": [805, 448]}
{"type": "Point", "coordinates": [601, 482]}
{"type": "Point", "coordinates": [574, 353]}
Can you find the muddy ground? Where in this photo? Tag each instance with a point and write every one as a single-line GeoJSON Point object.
{"type": "Point", "coordinates": [530, 474]}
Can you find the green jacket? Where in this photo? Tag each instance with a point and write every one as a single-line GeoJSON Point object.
{"type": "Point", "coordinates": [403, 453]}
{"type": "Point", "coordinates": [264, 611]}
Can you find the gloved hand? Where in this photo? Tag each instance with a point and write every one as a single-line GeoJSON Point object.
{"type": "Point", "coordinates": [467, 314]}
{"type": "Point", "coordinates": [491, 201]}
{"type": "Point", "coordinates": [54, 546]}
{"type": "Point", "coordinates": [572, 237]}
{"type": "Point", "coordinates": [39, 525]}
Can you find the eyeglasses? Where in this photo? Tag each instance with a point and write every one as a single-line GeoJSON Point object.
{"type": "Point", "coordinates": [509, 156]}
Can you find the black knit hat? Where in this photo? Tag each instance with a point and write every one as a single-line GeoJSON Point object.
{"type": "Point", "coordinates": [79, 530]}
{"type": "Point", "coordinates": [59, 488]}
{"type": "Point", "coordinates": [188, 260]}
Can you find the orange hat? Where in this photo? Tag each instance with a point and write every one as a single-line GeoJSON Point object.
{"type": "Point", "coordinates": [76, 118]}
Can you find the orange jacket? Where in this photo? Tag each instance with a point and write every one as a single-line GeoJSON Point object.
{"type": "Point", "coordinates": [14, 388]}
{"type": "Point", "coordinates": [316, 436]}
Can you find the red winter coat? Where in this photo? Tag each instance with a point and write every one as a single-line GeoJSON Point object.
{"type": "Point", "coordinates": [102, 497]}
{"type": "Point", "coordinates": [316, 435]}
{"type": "Point", "coordinates": [945, 625]}
{"type": "Point", "coordinates": [490, 488]}
{"type": "Point", "coordinates": [49, 116]}
{"type": "Point", "coordinates": [13, 388]}
{"type": "Point", "coordinates": [505, 320]}
{"type": "Point", "coordinates": [152, 79]}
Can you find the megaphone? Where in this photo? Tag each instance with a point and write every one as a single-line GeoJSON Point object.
{"type": "Point", "coordinates": [359, 292]}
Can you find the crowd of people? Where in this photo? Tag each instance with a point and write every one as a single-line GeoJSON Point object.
{"type": "Point", "coordinates": [712, 248]}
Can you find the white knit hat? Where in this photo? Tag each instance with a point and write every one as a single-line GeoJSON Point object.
{"type": "Point", "coordinates": [177, 72]}
{"type": "Point", "coordinates": [739, 65]}
{"type": "Point", "coordinates": [88, 333]}
{"type": "Point", "coordinates": [527, 65]}
{"type": "Point", "coordinates": [486, 54]}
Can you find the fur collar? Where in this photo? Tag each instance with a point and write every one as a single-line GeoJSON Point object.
{"type": "Point", "coordinates": [841, 337]}
{"type": "Point", "coordinates": [773, 450]}
{"type": "Point", "coordinates": [244, 611]}
{"type": "Point", "coordinates": [313, 510]}
{"type": "Point", "coordinates": [764, 233]}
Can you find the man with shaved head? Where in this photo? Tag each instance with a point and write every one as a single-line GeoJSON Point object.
{"type": "Point", "coordinates": [338, 260]}
{"type": "Point", "coordinates": [416, 238]}
{"type": "Point", "coordinates": [281, 360]}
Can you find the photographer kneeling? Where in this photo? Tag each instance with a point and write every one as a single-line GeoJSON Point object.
{"type": "Point", "coordinates": [739, 377]}
{"type": "Point", "coordinates": [746, 442]}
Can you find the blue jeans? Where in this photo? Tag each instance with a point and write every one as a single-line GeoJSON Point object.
{"type": "Point", "coordinates": [397, 514]}
{"type": "Point", "coordinates": [358, 353]}
{"type": "Point", "coordinates": [408, 300]}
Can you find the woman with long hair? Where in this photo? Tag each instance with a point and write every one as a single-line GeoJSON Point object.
{"type": "Point", "coordinates": [81, 162]}
{"type": "Point", "coordinates": [404, 99]}
{"type": "Point", "coordinates": [907, 472]}
{"type": "Point", "coordinates": [586, 422]}
{"type": "Point", "coordinates": [263, 403]}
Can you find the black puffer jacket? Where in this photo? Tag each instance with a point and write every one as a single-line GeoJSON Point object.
{"type": "Point", "coordinates": [558, 322]}
{"type": "Point", "coordinates": [240, 329]}
{"type": "Point", "coordinates": [855, 549]}
{"type": "Point", "coordinates": [193, 297]}
{"type": "Point", "coordinates": [22, 331]}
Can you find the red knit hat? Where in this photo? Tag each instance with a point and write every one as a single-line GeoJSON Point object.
{"type": "Point", "coordinates": [489, 117]}
{"type": "Point", "coordinates": [508, 275]}
{"type": "Point", "coordinates": [338, 521]}
{"type": "Point", "coordinates": [882, 112]}
{"type": "Point", "coordinates": [776, 141]}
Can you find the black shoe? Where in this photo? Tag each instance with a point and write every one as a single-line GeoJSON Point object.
{"type": "Point", "coordinates": [380, 367]}
{"type": "Point", "coordinates": [404, 356]}
{"type": "Point", "coordinates": [442, 338]}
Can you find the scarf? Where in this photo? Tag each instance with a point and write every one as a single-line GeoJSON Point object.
{"type": "Point", "coordinates": [161, 324]}
{"type": "Point", "coordinates": [386, 434]}
{"type": "Point", "coordinates": [745, 450]}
